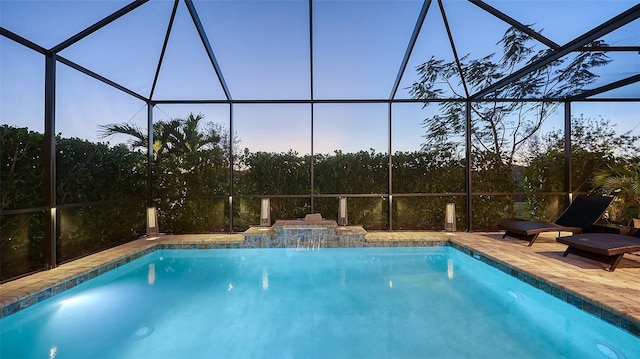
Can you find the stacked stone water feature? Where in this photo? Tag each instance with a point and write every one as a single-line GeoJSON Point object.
{"type": "Point", "coordinates": [311, 233]}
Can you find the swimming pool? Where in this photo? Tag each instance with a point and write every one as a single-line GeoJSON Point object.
{"type": "Point", "coordinates": [417, 302]}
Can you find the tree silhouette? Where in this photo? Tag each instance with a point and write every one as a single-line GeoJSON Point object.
{"type": "Point", "coordinates": [501, 127]}
{"type": "Point", "coordinates": [191, 171]}
{"type": "Point", "coordinates": [175, 136]}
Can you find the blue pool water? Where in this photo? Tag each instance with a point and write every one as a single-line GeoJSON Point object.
{"type": "Point", "coordinates": [331, 303]}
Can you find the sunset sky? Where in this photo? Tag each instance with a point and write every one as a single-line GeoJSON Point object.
{"type": "Point", "coordinates": [263, 50]}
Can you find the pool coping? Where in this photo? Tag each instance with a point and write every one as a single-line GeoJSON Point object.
{"type": "Point", "coordinates": [43, 285]}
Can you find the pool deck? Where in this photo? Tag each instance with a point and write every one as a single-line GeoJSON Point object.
{"type": "Point", "coordinates": [612, 296]}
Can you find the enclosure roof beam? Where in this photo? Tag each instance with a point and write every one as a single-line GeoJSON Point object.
{"type": "Point", "coordinates": [515, 23]}
{"type": "Point", "coordinates": [595, 33]}
{"type": "Point", "coordinates": [453, 48]}
{"type": "Point", "coordinates": [612, 86]}
{"type": "Point", "coordinates": [207, 46]}
{"type": "Point", "coordinates": [97, 26]}
{"type": "Point", "coordinates": [609, 48]}
{"type": "Point", "coordinates": [164, 48]}
{"type": "Point", "coordinates": [88, 72]}
{"type": "Point", "coordinates": [412, 43]}
{"type": "Point", "coordinates": [22, 41]}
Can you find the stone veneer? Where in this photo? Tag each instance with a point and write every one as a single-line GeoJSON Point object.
{"type": "Point", "coordinates": [303, 234]}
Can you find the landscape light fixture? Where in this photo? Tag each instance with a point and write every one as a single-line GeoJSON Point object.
{"type": "Point", "coordinates": [265, 213]}
{"type": "Point", "coordinates": [450, 217]}
{"type": "Point", "coordinates": [152, 221]}
{"type": "Point", "coordinates": [342, 211]}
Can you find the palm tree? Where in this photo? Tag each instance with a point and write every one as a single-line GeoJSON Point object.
{"type": "Point", "coordinates": [191, 164]}
{"type": "Point", "coordinates": [176, 136]}
{"type": "Point", "coordinates": [187, 138]}
{"type": "Point", "coordinates": [624, 182]}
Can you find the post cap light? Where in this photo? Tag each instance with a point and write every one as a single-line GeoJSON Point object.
{"type": "Point", "coordinates": [450, 217]}
{"type": "Point", "coordinates": [342, 211]}
{"type": "Point", "coordinates": [152, 221]}
{"type": "Point", "coordinates": [265, 213]}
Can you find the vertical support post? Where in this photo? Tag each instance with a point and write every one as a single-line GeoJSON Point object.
{"type": "Point", "coordinates": [151, 212]}
{"type": "Point", "coordinates": [312, 156]}
{"type": "Point", "coordinates": [312, 160]}
{"type": "Point", "coordinates": [390, 171]}
{"type": "Point", "coordinates": [150, 162]}
{"type": "Point", "coordinates": [568, 157]}
{"type": "Point", "coordinates": [467, 177]}
{"type": "Point", "coordinates": [231, 161]}
{"type": "Point", "coordinates": [50, 221]}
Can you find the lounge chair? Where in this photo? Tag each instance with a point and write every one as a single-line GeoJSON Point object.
{"type": "Point", "coordinates": [581, 214]}
{"type": "Point", "coordinates": [602, 247]}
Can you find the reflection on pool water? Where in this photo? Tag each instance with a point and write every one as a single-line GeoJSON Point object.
{"type": "Point", "coordinates": [424, 302]}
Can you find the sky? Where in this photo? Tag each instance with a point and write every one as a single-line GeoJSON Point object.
{"type": "Point", "coordinates": [262, 48]}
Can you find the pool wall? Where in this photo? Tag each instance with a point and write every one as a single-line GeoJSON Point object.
{"type": "Point", "coordinates": [91, 267]}
{"type": "Point", "coordinates": [575, 299]}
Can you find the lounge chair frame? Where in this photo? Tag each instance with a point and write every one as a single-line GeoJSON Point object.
{"type": "Point", "coordinates": [602, 247]}
{"type": "Point", "coordinates": [579, 216]}
{"type": "Point", "coordinates": [530, 230]}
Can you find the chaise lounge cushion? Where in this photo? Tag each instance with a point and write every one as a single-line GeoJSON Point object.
{"type": "Point", "coordinates": [602, 243]}
{"type": "Point", "coordinates": [584, 211]}
{"type": "Point", "coordinates": [528, 228]}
